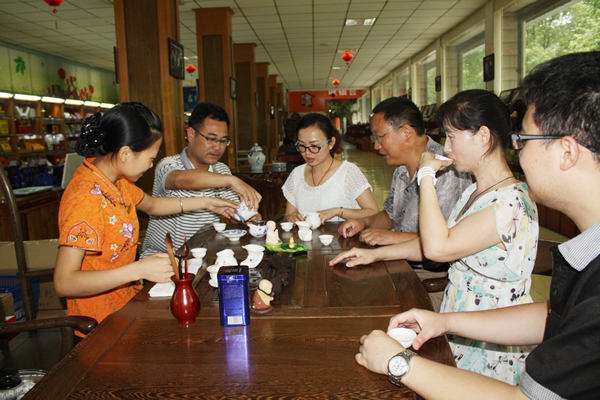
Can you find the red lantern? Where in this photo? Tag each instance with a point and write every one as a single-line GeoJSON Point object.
{"type": "Point", "coordinates": [347, 56]}
{"type": "Point", "coordinates": [335, 81]}
{"type": "Point", "coordinates": [190, 68]}
{"type": "Point", "coordinates": [53, 3]}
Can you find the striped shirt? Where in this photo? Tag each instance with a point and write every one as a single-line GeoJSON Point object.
{"type": "Point", "coordinates": [182, 224]}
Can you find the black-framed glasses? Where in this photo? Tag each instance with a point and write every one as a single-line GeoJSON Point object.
{"type": "Point", "coordinates": [311, 149]}
{"type": "Point", "coordinates": [212, 140]}
{"type": "Point", "coordinates": [379, 139]}
{"type": "Point", "coordinates": [518, 140]}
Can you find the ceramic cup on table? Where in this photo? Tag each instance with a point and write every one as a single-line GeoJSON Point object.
{"type": "Point", "coordinates": [258, 228]}
{"type": "Point", "coordinates": [304, 230]}
{"type": "Point", "coordinates": [244, 213]}
{"type": "Point", "coordinates": [404, 336]}
{"type": "Point", "coordinates": [314, 218]}
{"type": "Point", "coordinates": [226, 258]}
{"type": "Point", "coordinates": [198, 252]}
{"type": "Point", "coordinates": [326, 239]}
{"type": "Point", "coordinates": [220, 226]}
{"type": "Point", "coordinates": [287, 226]}
{"type": "Point", "coordinates": [213, 270]}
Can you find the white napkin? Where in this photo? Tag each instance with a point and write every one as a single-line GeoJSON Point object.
{"type": "Point", "coordinates": [167, 289]}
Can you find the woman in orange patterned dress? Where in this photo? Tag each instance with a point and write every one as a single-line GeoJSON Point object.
{"type": "Point", "coordinates": [96, 268]}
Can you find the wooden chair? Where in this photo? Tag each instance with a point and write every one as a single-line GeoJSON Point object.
{"type": "Point", "coordinates": [67, 324]}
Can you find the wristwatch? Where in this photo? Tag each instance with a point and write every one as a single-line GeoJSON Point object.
{"type": "Point", "coordinates": [398, 366]}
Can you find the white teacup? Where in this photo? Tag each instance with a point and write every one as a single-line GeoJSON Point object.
{"type": "Point", "coordinates": [314, 218]}
{"type": "Point", "coordinates": [257, 230]}
{"type": "Point", "coordinates": [198, 252]}
{"type": "Point", "coordinates": [226, 257]}
{"type": "Point", "coordinates": [326, 239]}
{"type": "Point", "coordinates": [287, 226]}
{"type": "Point", "coordinates": [255, 251]}
{"type": "Point", "coordinates": [213, 270]}
{"type": "Point", "coordinates": [404, 336]}
{"type": "Point", "coordinates": [244, 213]}
{"type": "Point", "coordinates": [220, 226]}
{"type": "Point", "coordinates": [304, 232]}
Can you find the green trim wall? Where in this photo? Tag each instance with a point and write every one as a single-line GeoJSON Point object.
{"type": "Point", "coordinates": [32, 72]}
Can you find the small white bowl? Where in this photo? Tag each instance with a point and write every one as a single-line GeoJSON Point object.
{"type": "Point", "coordinates": [220, 226]}
{"type": "Point", "coordinates": [257, 231]}
{"type": "Point", "coordinates": [404, 336]}
{"type": "Point", "coordinates": [234, 235]}
{"type": "Point", "coordinates": [287, 226]}
{"type": "Point", "coordinates": [213, 270]}
{"type": "Point", "coordinates": [198, 252]}
{"type": "Point", "coordinates": [326, 239]}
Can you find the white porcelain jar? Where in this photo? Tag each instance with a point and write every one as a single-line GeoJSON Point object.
{"type": "Point", "coordinates": [257, 158]}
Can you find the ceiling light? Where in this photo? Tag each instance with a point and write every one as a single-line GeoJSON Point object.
{"type": "Point", "coordinates": [4, 95]}
{"type": "Point", "coordinates": [73, 102]}
{"type": "Point", "coordinates": [336, 67]}
{"type": "Point", "coordinates": [26, 97]}
{"type": "Point", "coordinates": [52, 100]}
{"type": "Point", "coordinates": [91, 104]}
{"type": "Point", "coordinates": [106, 105]}
{"type": "Point", "coordinates": [360, 21]}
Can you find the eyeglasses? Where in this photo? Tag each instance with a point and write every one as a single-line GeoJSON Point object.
{"type": "Point", "coordinates": [213, 140]}
{"type": "Point", "coordinates": [311, 149]}
{"type": "Point", "coordinates": [379, 139]}
{"type": "Point", "coordinates": [518, 140]}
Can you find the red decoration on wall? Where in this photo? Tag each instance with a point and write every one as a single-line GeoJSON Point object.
{"type": "Point", "coordinates": [336, 81]}
{"type": "Point", "coordinates": [190, 68]}
{"type": "Point", "coordinates": [347, 56]}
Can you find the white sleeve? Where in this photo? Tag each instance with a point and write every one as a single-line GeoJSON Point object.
{"type": "Point", "coordinates": [289, 187]}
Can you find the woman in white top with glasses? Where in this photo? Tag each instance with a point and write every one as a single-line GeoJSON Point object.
{"type": "Point", "coordinates": [333, 188]}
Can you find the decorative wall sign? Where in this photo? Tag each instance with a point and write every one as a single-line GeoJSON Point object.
{"type": "Point", "coordinates": [176, 67]}
{"type": "Point", "coordinates": [488, 68]}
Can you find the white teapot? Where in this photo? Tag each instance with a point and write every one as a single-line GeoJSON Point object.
{"type": "Point", "coordinates": [314, 218]}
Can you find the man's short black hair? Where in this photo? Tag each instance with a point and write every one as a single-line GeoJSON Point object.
{"type": "Point", "coordinates": [207, 110]}
{"type": "Point", "coordinates": [565, 92]}
{"type": "Point", "coordinates": [398, 111]}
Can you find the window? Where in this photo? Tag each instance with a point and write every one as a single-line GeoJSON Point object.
{"type": "Point", "coordinates": [402, 83]}
{"type": "Point", "coordinates": [464, 62]}
{"type": "Point", "coordinates": [566, 30]}
{"type": "Point", "coordinates": [426, 73]}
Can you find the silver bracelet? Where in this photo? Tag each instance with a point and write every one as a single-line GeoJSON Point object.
{"type": "Point", "coordinates": [181, 204]}
{"type": "Point", "coordinates": [426, 171]}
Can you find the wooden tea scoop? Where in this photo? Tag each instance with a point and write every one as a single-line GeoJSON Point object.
{"type": "Point", "coordinates": [171, 251]}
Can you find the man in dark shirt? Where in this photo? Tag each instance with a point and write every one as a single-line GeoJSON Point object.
{"type": "Point", "coordinates": [559, 146]}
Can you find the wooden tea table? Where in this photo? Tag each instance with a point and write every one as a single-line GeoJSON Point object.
{"type": "Point", "coordinates": [305, 348]}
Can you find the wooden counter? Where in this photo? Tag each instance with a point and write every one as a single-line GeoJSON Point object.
{"type": "Point", "coordinates": [39, 216]}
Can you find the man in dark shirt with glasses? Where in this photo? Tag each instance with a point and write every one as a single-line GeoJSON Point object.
{"type": "Point", "coordinates": [561, 132]}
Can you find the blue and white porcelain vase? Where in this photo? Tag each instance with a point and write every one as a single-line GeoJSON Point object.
{"type": "Point", "coordinates": [257, 158]}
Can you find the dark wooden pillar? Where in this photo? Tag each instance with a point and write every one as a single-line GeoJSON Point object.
{"type": "Point", "coordinates": [215, 66]}
{"type": "Point", "coordinates": [262, 88]}
{"type": "Point", "coordinates": [245, 73]}
{"type": "Point", "coordinates": [143, 29]}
